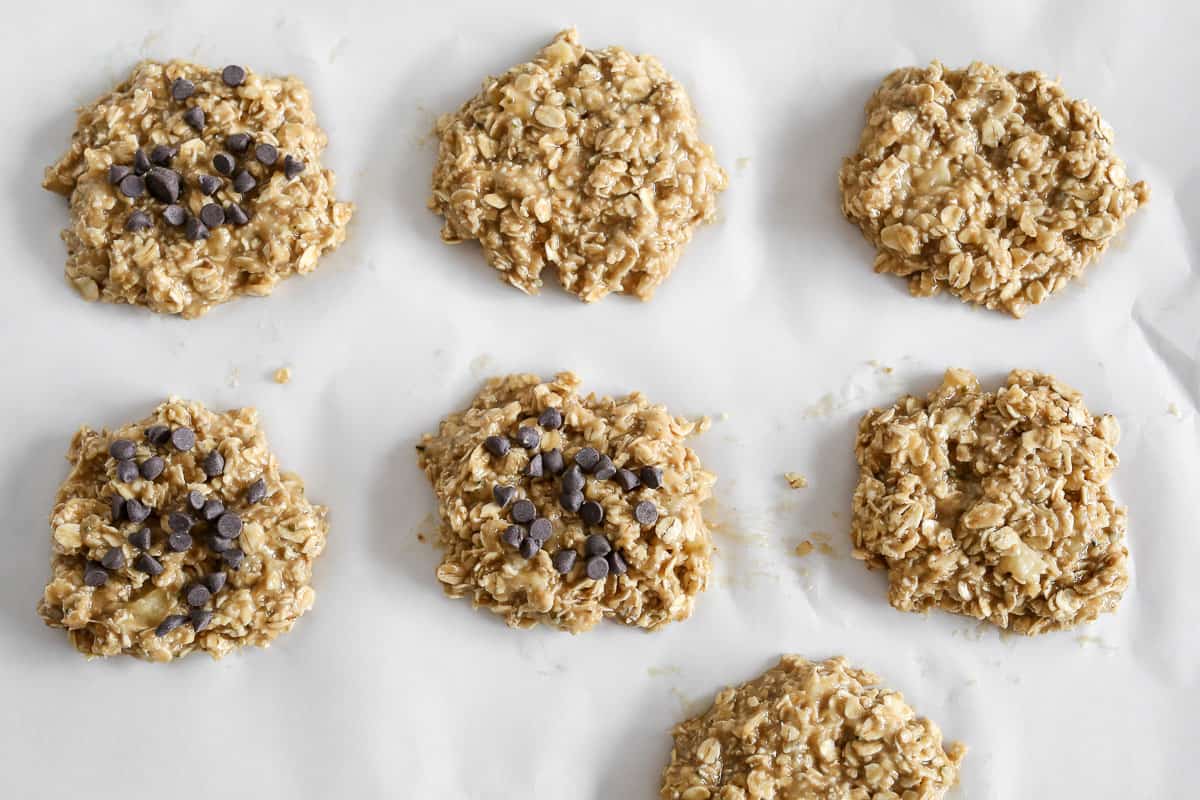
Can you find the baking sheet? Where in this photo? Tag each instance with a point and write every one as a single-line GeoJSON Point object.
{"type": "Point", "coordinates": [773, 324]}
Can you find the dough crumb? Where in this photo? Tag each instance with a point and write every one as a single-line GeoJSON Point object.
{"type": "Point", "coordinates": [796, 480]}
{"type": "Point", "coordinates": [804, 548]}
{"type": "Point", "coordinates": [283, 375]}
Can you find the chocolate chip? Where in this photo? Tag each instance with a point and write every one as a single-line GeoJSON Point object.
{"type": "Point", "coordinates": [235, 215]}
{"type": "Point", "coordinates": [224, 163]}
{"type": "Point", "coordinates": [572, 479]}
{"type": "Point", "coordinates": [118, 508]}
{"type": "Point", "coordinates": [152, 467]}
{"type": "Point", "coordinates": [551, 419]}
{"type": "Point", "coordinates": [213, 464]}
{"type": "Point", "coordinates": [587, 458]}
{"type": "Point", "coordinates": [162, 154]}
{"type": "Point", "coordinates": [627, 479]}
{"type": "Point", "coordinates": [534, 468]}
{"type": "Point", "coordinates": [596, 545]}
{"type": "Point", "coordinates": [182, 89]}
{"type": "Point", "coordinates": [179, 522]}
{"type": "Point", "coordinates": [266, 153]}
{"type": "Point", "coordinates": [127, 471]}
{"type": "Point", "coordinates": [179, 542]}
{"type": "Point", "coordinates": [256, 491]}
{"type": "Point", "coordinates": [169, 624]}
{"type": "Point", "coordinates": [616, 563]}
{"type": "Point", "coordinates": [597, 568]}
{"type": "Point", "coordinates": [229, 525]}
{"type": "Point", "coordinates": [141, 162]}
{"type": "Point", "coordinates": [200, 619]}
{"type": "Point", "coordinates": [552, 460]}
{"type": "Point", "coordinates": [503, 495]}
{"type": "Point", "coordinates": [194, 117]}
{"type": "Point", "coordinates": [652, 477]}
{"type": "Point", "coordinates": [122, 449]}
{"type": "Point", "coordinates": [215, 581]}
{"type": "Point", "coordinates": [233, 557]}
{"type": "Point", "coordinates": [148, 564]}
{"type": "Point", "coordinates": [140, 538]}
{"type": "Point", "coordinates": [196, 500]}
{"type": "Point", "coordinates": [563, 560]}
{"type": "Point", "coordinates": [604, 469]}
{"type": "Point", "coordinates": [523, 511]}
{"type": "Point", "coordinates": [233, 75]}
{"type": "Point", "coordinates": [292, 167]}
{"type": "Point", "coordinates": [195, 230]}
{"type": "Point", "coordinates": [117, 173]}
{"type": "Point", "coordinates": [571, 501]}
{"type": "Point", "coordinates": [94, 575]}
{"type": "Point", "coordinates": [646, 512]}
{"type": "Point", "coordinates": [208, 183]}
{"type": "Point", "coordinates": [138, 221]}
{"type": "Point", "coordinates": [497, 445]}
{"type": "Point", "coordinates": [163, 184]}
{"type": "Point", "coordinates": [133, 186]}
{"type": "Point", "coordinates": [218, 544]}
{"type": "Point", "coordinates": [243, 182]}
{"type": "Point", "coordinates": [529, 547]}
{"type": "Point", "coordinates": [158, 435]}
{"type": "Point", "coordinates": [212, 509]}
{"type": "Point", "coordinates": [237, 142]}
{"type": "Point", "coordinates": [212, 215]}
{"type": "Point", "coordinates": [197, 595]}
{"type": "Point", "coordinates": [513, 535]}
{"type": "Point", "coordinates": [135, 511]}
{"type": "Point", "coordinates": [174, 216]}
{"type": "Point", "coordinates": [541, 530]}
{"type": "Point", "coordinates": [528, 438]}
{"type": "Point", "coordinates": [184, 439]}
{"type": "Point", "coordinates": [592, 512]}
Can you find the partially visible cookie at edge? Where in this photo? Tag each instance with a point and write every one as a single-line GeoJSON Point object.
{"type": "Point", "coordinates": [588, 162]}
{"type": "Point", "coordinates": [566, 509]}
{"type": "Point", "coordinates": [994, 186]}
{"type": "Point", "coordinates": [190, 186]}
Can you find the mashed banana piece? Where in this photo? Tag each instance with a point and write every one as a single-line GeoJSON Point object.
{"type": "Point", "coordinates": [993, 505]}
{"type": "Point", "coordinates": [810, 731]}
{"type": "Point", "coordinates": [991, 185]}
{"type": "Point", "coordinates": [587, 161]}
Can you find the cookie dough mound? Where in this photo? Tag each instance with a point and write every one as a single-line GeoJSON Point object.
{"type": "Point", "coordinates": [585, 160]}
{"type": "Point", "coordinates": [994, 186]}
{"type": "Point", "coordinates": [565, 509]}
{"type": "Point", "coordinates": [190, 186]}
{"type": "Point", "coordinates": [810, 731]}
{"type": "Point", "coordinates": [179, 533]}
{"type": "Point", "coordinates": [993, 505]}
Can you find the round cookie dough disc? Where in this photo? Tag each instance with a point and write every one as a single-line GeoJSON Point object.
{"type": "Point", "coordinates": [637, 569]}
{"type": "Point", "coordinates": [993, 504]}
{"type": "Point", "coordinates": [991, 185]}
{"type": "Point", "coordinates": [806, 730]}
{"type": "Point", "coordinates": [202, 562]}
{"type": "Point", "coordinates": [586, 161]}
{"type": "Point", "coordinates": [166, 238]}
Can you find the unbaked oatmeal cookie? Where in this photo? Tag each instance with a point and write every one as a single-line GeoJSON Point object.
{"type": "Point", "coordinates": [810, 731]}
{"type": "Point", "coordinates": [992, 185]}
{"type": "Point", "coordinates": [564, 509]}
{"type": "Point", "coordinates": [189, 186]}
{"type": "Point", "coordinates": [179, 533]}
{"type": "Point", "coordinates": [587, 161]}
{"type": "Point", "coordinates": [993, 504]}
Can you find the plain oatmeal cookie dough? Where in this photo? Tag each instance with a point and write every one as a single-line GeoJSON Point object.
{"type": "Point", "coordinates": [810, 731]}
{"type": "Point", "coordinates": [994, 186]}
{"type": "Point", "coordinates": [562, 508]}
{"type": "Point", "coordinates": [190, 186]}
{"type": "Point", "coordinates": [993, 504]}
{"type": "Point", "coordinates": [177, 533]}
{"type": "Point", "coordinates": [587, 161]}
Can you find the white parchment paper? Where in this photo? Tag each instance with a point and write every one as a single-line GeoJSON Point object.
{"type": "Point", "coordinates": [770, 324]}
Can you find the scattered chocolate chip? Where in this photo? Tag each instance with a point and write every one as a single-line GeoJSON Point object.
{"type": "Point", "coordinates": [229, 525]}
{"type": "Point", "coordinates": [503, 495]}
{"type": "Point", "coordinates": [571, 501]}
{"type": "Point", "coordinates": [592, 512]}
{"type": "Point", "coordinates": [218, 544]}
{"type": "Point", "coordinates": [563, 560]}
{"type": "Point", "coordinates": [169, 624]}
{"type": "Point", "coordinates": [162, 154]}
{"type": "Point", "coordinates": [551, 419]}
{"type": "Point", "coordinates": [122, 449]}
{"type": "Point", "coordinates": [200, 619]}
{"type": "Point", "coordinates": [587, 458]}
{"type": "Point", "coordinates": [497, 445]}
{"type": "Point", "coordinates": [94, 575]}
{"type": "Point", "coordinates": [292, 167]}
{"type": "Point", "coordinates": [233, 75]}
{"type": "Point", "coordinates": [212, 510]}
{"type": "Point", "coordinates": [213, 464]}
{"type": "Point", "coordinates": [527, 437]}
{"type": "Point", "coordinates": [133, 186]}
{"type": "Point", "coordinates": [208, 183]}
{"type": "Point", "coordinates": [179, 541]}
{"type": "Point", "coordinates": [552, 460]}
{"type": "Point", "coordinates": [541, 530]}
{"type": "Point", "coordinates": [513, 535]}
{"type": "Point", "coordinates": [235, 215]}
{"type": "Point", "coordinates": [152, 467]}
{"type": "Point", "coordinates": [616, 563]}
{"type": "Point", "coordinates": [256, 491]}
{"type": "Point", "coordinates": [597, 568]}
{"type": "Point", "coordinates": [117, 173]}
{"type": "Point", "coordinates": [627, 479]}
{"type": "Point", "coordinates": [196, 500]}
{"type": "Point", "coordinates": [212, 215]}
{"type": "Point", "coordinates": [233, 557]}
{"type": "Point", "coordinates": [534, 468]}
{"type": "Point", "coordinates": [652, 477]}
{"type": "Point", "coordinates": [174, 216]}
{"type": "Point", "coordinates": [215, 581]}
{"type": "Point", "coordinates": [195, 230]}
{"type": "Point", "coordinates": [148, 564]}
{"type": "Point", "coordinates": [243, 182]}
{"type": "Point", "coordinates": [224, 163]}
{"type": "Point", "coordinates": [529, 547]}
{"type": "Point", "coordinates": [138, 221]}
{"type": "Point", "coordinates": [182, 89]}
{"type": "Point", "coordinates": [179, 522]}
{"type": "Point", "coordinates": [163, 184]}
{"type": "Point", "coordinates": [140, 538]}
{"type": "Point", "coordinates": [523, 511]}
{"type": "Point", "coordinates": [596, 545]}
{"type": "Point", "coordinates": [141, 162]}
{"type": "Point", "coordinates": [604, 469]}
{"type": "Point", "coordinates": [646, 512]}
{"type": "Point", "coordinates": [237, 142]}
{"type": "Point", "coordinates": [135, 511]}
{"type": "Point", "coordinates": [183, 439]}
{"type": "Point", "coordinates": [118, 508]}
{"type": "Point", "coordinates": [572, 479]}
{"type": "Point", "coordinates": [197, 595]}
{"type": "Point", "coordinates": [194, 117]}
{"type": "Point", "coordinates": [266, 153]}
{"type": "Point", "coordinates": [127, 471]}
{"type": "Point", "coordinates": [158, 435]}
